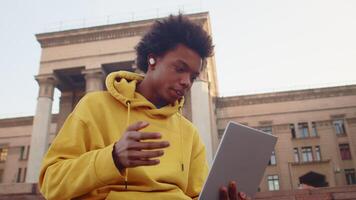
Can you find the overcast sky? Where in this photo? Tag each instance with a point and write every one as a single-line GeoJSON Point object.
{"type": "Point", "coordinates": [261, 45]}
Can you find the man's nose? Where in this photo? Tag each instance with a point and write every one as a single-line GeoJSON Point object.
{"type": "Point", "coordinates": [185, 81]}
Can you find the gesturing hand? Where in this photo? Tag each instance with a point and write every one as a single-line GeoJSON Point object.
{"type": "Point", "coordinates": [231, 193]}
{"type": "Point", "coordinates": [131, 151]}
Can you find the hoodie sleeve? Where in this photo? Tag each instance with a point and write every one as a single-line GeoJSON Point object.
{"type": "Point", "coordinates": [198, 169]}
{"type": "Point", "coordinates": [70, 168]}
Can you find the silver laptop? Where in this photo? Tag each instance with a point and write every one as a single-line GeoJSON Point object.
{"type": "Point", "coordinates": [242, 156]}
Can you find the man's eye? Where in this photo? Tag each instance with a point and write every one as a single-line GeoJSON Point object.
{"type": "Point", "coordinates": [179, 69]}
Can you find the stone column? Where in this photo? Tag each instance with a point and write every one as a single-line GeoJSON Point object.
{"type": "Point", "coordinates": [65, 107]}
{"type": "Point", "coordinates": [201, 116]}
{"type": "Point", "coordinates": [94, 80]}
{"type": "Point", "coordinates": [41, 126]}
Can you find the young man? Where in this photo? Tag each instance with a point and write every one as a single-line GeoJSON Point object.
{"type": "Point", "coordinates": [131, 141]}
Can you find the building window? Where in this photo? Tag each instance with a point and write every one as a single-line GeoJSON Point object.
{"type": "Point", "coordinates": [339, 127]}
{"type": "Point", "coordinates": [24, 152]}
{"type": "Point", "coordinates": [314, 131]}
{"type": "Point", "coordinates": [350, 176]}
{"type": "Point", "coordinates": [28, 151]}
{"type": "Point", "coordinates": [296, 155]}
{"type": "Point", "coordinates": [18, 175]}
{"type": "Point", "coordinates": [273, 160]}
{"type": "Point", "coordinates": [273, 182]}
{"type": "Point", "coordinates": [266, 129]}
{"type": "Point", "coordinates": [24, 174]}
{"type": "Point", "coordinates": [345, 151]}
{"type": "Point", "coordinates": [303, 129]}
{"type": "Point", "coordinates": [292, 130]}
{"type": "Point", "coordinates": [220, 133]}
{"type": "Point", "coordinates": [317, 153]}
{"type": "Point", "coordinates": [21, 175]}
{"type": "Point", "coordinates": [307, 154]}
{"type": "Point", "coordinates": [3, 154]}
{"type": "Point", "coordinates": [1, 175]}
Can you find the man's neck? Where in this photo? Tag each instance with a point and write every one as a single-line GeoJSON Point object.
{"type": "Point", "coordinates": [146, 90]}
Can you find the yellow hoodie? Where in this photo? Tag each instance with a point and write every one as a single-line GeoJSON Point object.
{"type": "Point", "coordinates": [79, 162]}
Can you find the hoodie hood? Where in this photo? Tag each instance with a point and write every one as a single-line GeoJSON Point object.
{"type": "Point", "coordinates": [122, 86]}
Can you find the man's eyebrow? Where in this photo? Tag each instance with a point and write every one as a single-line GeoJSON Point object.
{"type": "Point", "coordinates": [183, 63]}
{"type": "Point", "coordinates": [186, 66]}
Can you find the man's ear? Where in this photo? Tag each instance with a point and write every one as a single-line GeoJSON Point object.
{"type": "Point", "coordinates": [151, 61]}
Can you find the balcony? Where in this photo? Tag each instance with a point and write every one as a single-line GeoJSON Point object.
{"type": "Point", "coordinates": [306, 137]}
{"type": "Point", "coordinates": [313, 162]}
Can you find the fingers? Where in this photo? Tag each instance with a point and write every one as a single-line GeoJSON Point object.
{"type": "Point", "coordinates": [144, 155]}
{"type": "Point", "coordinates": [223, 193]}
{"type": "Point", "coordinates": [243, 196]}
{"type": "Point", "coordinates": [130, 151]}
{"type": "Point", "coordinates": [232, 191]}
{"type": "Point", "coordinates": [137, 126]}
{"type": "Point", "coordinates": [134, 135]}
{"type": "Point", "coordinates": [139, 158]}
{"type": "Point", "coordinates": [148, 145]}
{"type": "Point", "coordinates": [138, 163]}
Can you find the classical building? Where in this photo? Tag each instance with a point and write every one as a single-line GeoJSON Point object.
{"type": "Point", "coordinates": [316, 128]}
{"type": "Point", "coordinates": [77, 62]}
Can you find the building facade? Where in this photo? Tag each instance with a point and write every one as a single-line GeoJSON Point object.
{"type": "Point", "coordinates": [15, 145]}
{"type": "Point", "coordinates": [316, 132]}
{"type": "Point", "coordinates": [316, 128]}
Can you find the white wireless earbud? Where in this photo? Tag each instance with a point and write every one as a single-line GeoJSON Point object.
{"type": "Point", "coordinates": [152, 61]}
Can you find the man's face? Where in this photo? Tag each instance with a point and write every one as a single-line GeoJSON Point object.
{"type": "Point", "coordinates": [174, 73]}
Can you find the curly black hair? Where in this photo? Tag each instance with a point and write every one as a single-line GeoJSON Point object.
{"type": "Point", "coordinates": [166, 34]}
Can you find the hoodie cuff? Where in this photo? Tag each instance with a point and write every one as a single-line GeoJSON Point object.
{"type": "Point", "coordinates": [105, 168]}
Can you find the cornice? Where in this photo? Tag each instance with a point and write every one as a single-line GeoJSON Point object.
{"type": "Point", "coordinates": [104, 32]}
{"type": "Point", "coordinates": [276, 97]}
{"type": "Point", "coordinates": [21, 121]}
{"type": "Point", "coordinates": [87, 56]}
{"type": "Point", "coordinates": [319, 123]}
{"type": "Point", "coordinates": [234, 117]}
{"type": "Point", "coordinates": [91, 37]}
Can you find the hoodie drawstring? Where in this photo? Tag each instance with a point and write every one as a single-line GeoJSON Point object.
{"type": "Point", "coordinates": [128, 103]}
{"type": "Point", "coordinates": [181, 138]}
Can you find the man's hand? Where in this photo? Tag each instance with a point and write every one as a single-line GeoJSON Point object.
{"type": "Point", "coordinates": [231, 193]}
{"type": "Point", "coordinates": [131, 151]}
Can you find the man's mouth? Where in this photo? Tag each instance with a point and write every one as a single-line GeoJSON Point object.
{"type": "Point", "coordinates": [179, 93]}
